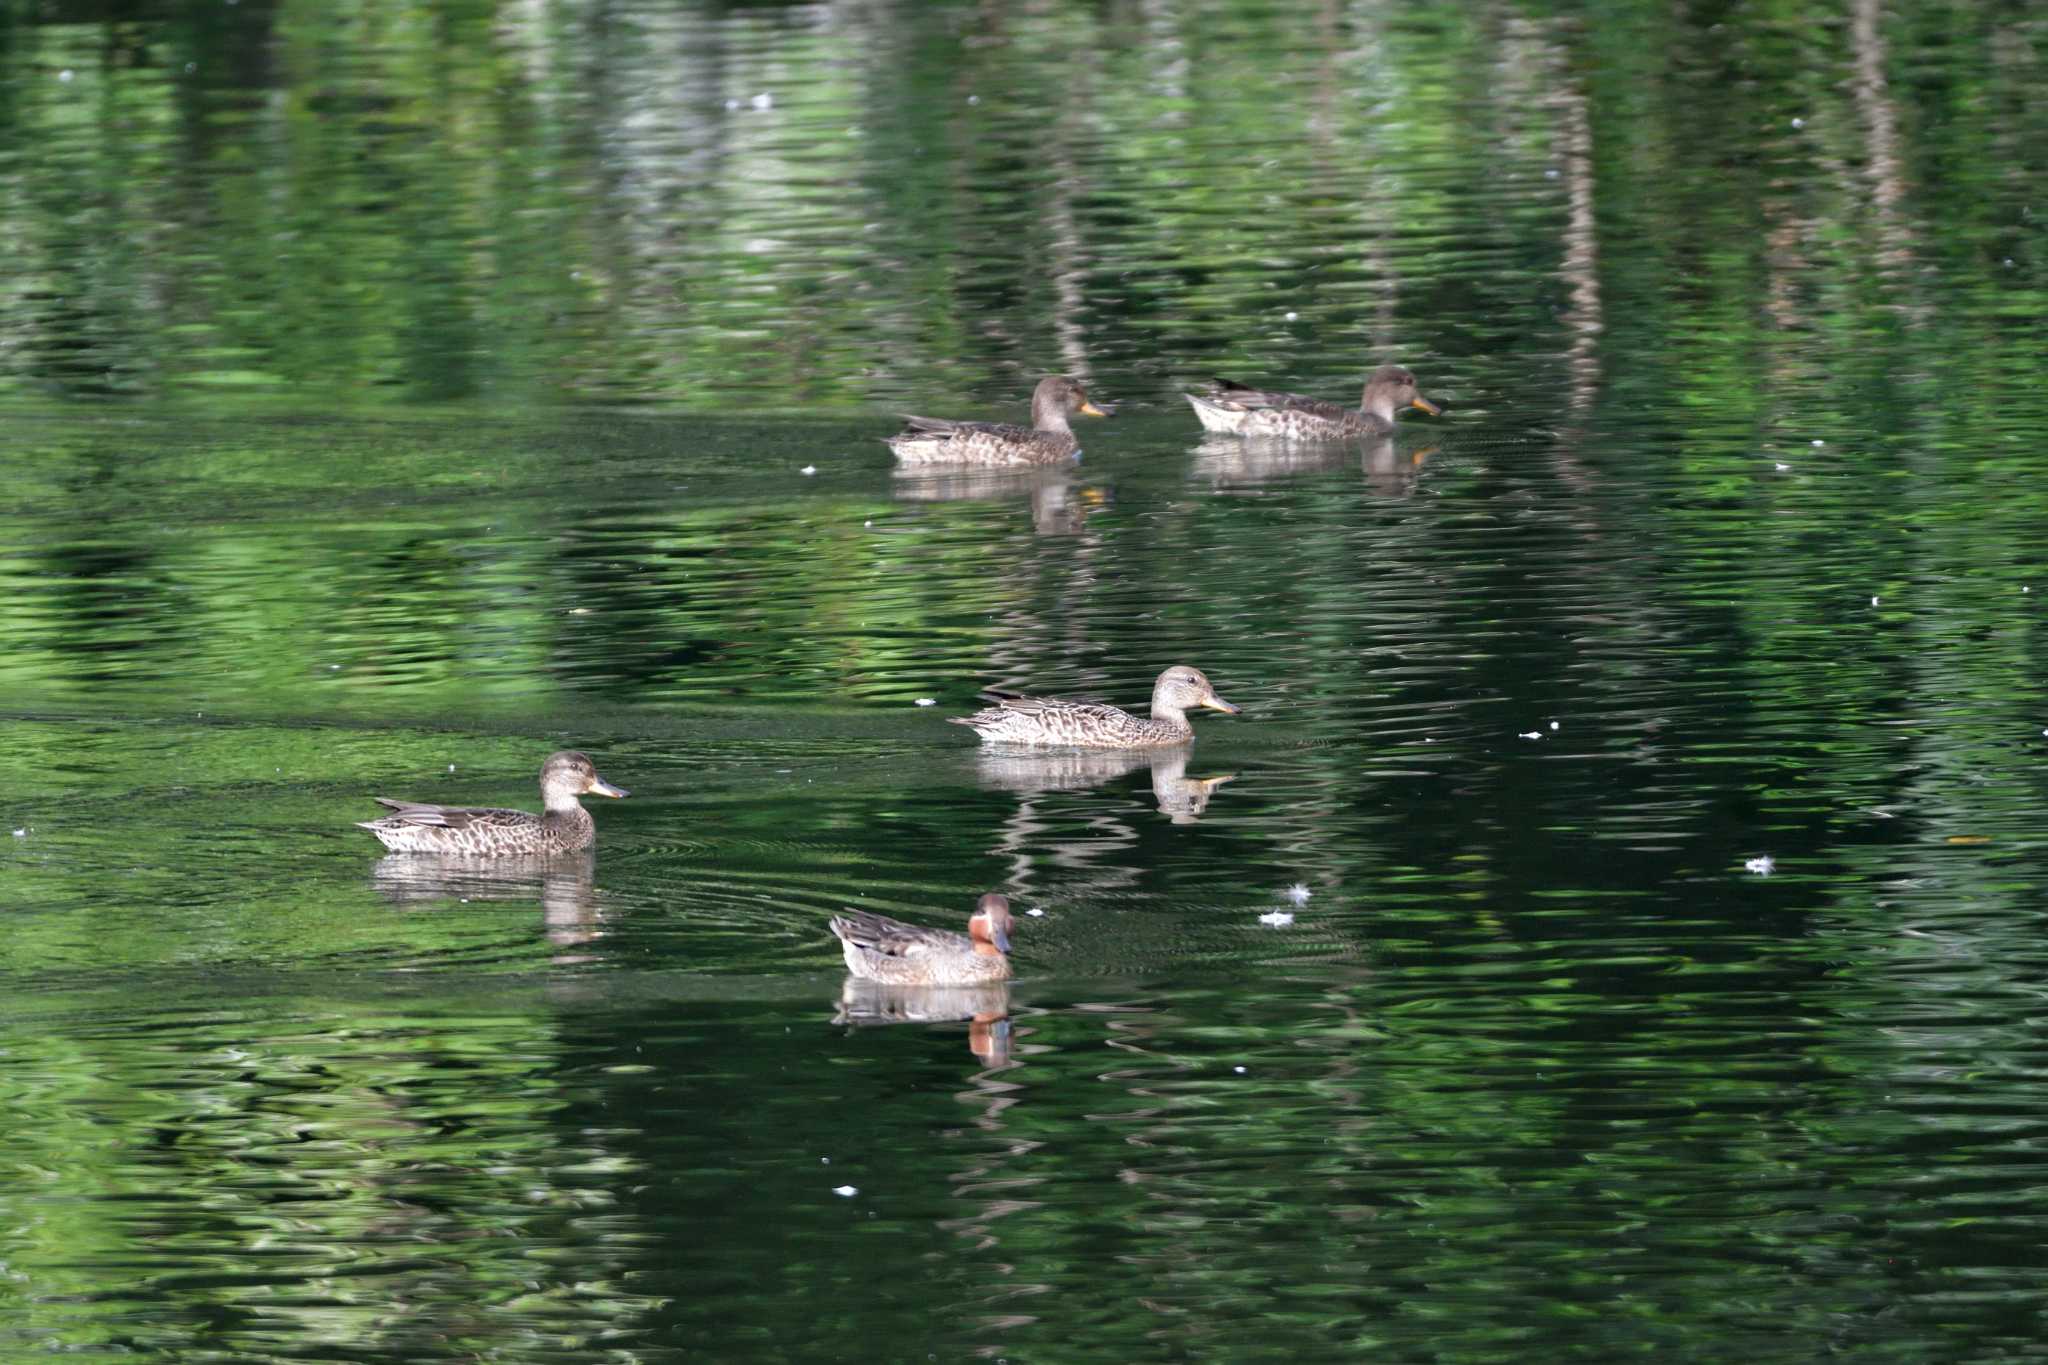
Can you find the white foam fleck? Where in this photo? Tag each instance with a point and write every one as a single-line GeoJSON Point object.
{"type": "Point", "coordinates": [1763, 866]}
{"type": "Point", "coordinates": [1279, 919]}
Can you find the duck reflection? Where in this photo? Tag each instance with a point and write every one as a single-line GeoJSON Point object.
{"type": "Point", "coordinates": [985, 1008]}
{"type": "Point", "coordinates": [1181, 798]}
{"type": "Point", "coordinates": [1229, 462]}
{"type": "Point", "coordinates": [564, 886]}
{"type": "Point", "coordinates": [1060, 504]}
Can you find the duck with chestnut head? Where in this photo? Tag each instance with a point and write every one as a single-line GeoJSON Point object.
{"type": "Point", "coordinates": [881, 949]}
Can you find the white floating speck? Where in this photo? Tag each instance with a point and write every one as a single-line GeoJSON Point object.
{"type": "Point", "coordinates": [1784, 468]}
{"type": "Point", "coordinates": [927, 701]}
{"type": "Point", "coordinates": [1799, 123]}
{"type": "Point", "coordinates": [1763, 866]}
{"type": "Point", "coordinates": [1818, 444]}
{"type": "Point", "coordinates": [808, 469]}
{"type": "Point", "coordinates": [1532, 734]}
{"type": "Point", "coordinates": [1873, 601]}
{"type": "Point", "coordinates": [1553, 725]}
{"type": "Point", "coordinates": [65, 76]}
{"type": "Point", "coordinates": [1550, 173]}
{"type": "Point", "coordinates": [824, 1161]}
{"type": "Point", "coordinates": [974, 99]}
{"type": "Point", "coordinates": [764, 100]}
{"type": "Point", "coordinates": [1298, 893]}
{"type": "Point", "coordinates": [845, 1191]}
{"type": "Point", "coordinates": [1294, 317]}
{"type": "Point", "coordinates": [1036, 914]}
{"type": "Point", "coordinates": [451, 767]}
{"type": "Point", "coordinates": [869, 522]}
{"type": "Point", "coordinates": [731, 105]}
{"type": "Point", "coordinates": [1238, 1069]}
{"type": "Point", "coordinates": [21, 833]}
{"type": "Point", "coordinates": [1279, 919]}
{"type": "Point", "coordinates": [2025, 588]}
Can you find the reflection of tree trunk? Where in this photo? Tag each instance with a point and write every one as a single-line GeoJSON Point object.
{"type": "Point", "coordinates": [1581, 267]}
{"type": "Point", "coordinates": [1065, 270]}
{"type": "Point", "coordinates": [1881, 127]}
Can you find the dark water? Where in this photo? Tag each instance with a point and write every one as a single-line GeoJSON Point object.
{"type": "Point", "coordinates": [394, 396]}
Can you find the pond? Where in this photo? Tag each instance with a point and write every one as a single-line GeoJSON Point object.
{"type": "Point", "coordinates": [1613, 926]}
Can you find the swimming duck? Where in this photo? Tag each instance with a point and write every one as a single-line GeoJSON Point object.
{"type": "Point", "coordinates": [899, 954]}
{"type": "Point", "coordinates": [1018, 719]}
{"type": "Point", "coordinates": [1248, 411]}
{"type": "Point", "coordinates": [482, 831]}
{"type": "Point", "coordinates": [935, 440]}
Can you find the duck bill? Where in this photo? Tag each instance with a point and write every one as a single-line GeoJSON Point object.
{"type": "Point", "coordinates": [1000, 937]}
{"type": "Point", "coordinates": [600, 787]}
{"type": "Point", "coordinates": [1218, 704]}
{"type": "Point", "coordinates": [1088, 409]}
{"type": "Point", "coordinates": [1432, 409]}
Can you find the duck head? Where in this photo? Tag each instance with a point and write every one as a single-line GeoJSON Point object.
{"type": "Point", "coordinates": [1058, 397]}
{"type": "Point", "coordinates": [1392, 387]}
{"type": "Point", "coordinates": [1180, 689]}
{"type": "Point", "coordinates": [568, 774]}
{"type": "Point", "coordinates": [991, 923]}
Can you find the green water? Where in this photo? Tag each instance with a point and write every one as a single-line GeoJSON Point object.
{"type": "Point", "coordinates": [394, 395]}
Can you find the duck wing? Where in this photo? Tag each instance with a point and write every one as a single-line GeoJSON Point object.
{"type": "Point", "coordinates": [888, 937]}
{"type": "Point", "coordinates": [941, 426]}
{"type": "Point", "coordinates": [449, 817]}
{"type": "Point", "coordinates": [1232, 394]}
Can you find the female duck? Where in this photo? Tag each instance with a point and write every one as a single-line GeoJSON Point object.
{"type": "Point", "coordinates": [479, 831]}
{"type": "Point", "coordinates": [1016, 719]}
{"type": "Point", "coordinates": [1048, 440]}
{"type": "Point", "coordinates": [899, 954]}
{"type": "Point", "coordinates": [1248, 411]}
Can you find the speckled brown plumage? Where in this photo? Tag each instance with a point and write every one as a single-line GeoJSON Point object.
{"type": "Point", "coordinates": [1048, 440]}
{"type": "Point", "coordinates": [1248, 411]}
{"type": "Point", "coordinates": [1018, 719]}
{"type": "Point", "coordinates": [493, 831]}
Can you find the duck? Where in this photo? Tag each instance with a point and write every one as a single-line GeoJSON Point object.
{"type": "Point", "coordinates": [1048, 440]}
{"type": "Point", "coordinates": [1247, 411]}
{"type": "Point", "coordinates": [1017, 719]}
{"type": "Point", "coordinates": [897, 954]}
{"type": "Point", "coordinates": [492, 832]}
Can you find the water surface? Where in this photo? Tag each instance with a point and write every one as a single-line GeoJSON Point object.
{"type": "Point", "coordinates": [391, 402]}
